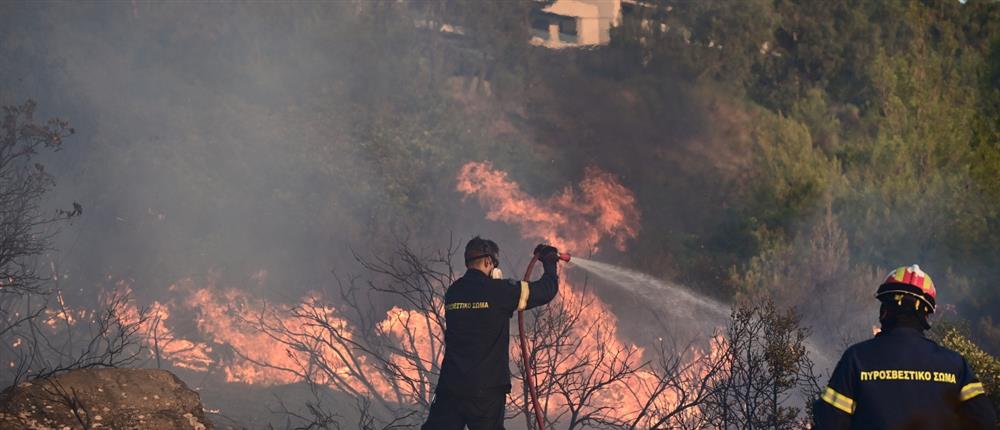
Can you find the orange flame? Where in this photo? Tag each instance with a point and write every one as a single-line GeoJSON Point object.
{"type": "Point", "coordinates": [277, 344]}
{"type": "Point", "coordinates": [181, 352]}
{"type": "Point", "coordinates": [229, 321]}
{"type": "Point", "coordinates": [224, 316]}
{"type": "Point", "coordinates": [576, 220]}
{"type": "Point", "coordinates": [592, 351]}
{"type": "Point", "coordinates": [160, 339]}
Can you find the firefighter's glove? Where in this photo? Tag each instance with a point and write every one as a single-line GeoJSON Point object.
{"type": "Point", "coordinates": [548, 254]}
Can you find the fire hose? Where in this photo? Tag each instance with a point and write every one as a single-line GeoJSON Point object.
{"type": "Point", "coordinates": [529, 371]}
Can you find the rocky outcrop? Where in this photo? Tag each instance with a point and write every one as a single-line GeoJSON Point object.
{"type": "Point", "coordinates": [103, 398]}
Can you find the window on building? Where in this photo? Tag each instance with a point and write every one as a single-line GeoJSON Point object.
{"type": "Point", "coordinates": [567, 26]}
{"type": "Point", "coordinates": [540, 23]}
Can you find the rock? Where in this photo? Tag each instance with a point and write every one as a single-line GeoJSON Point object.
{"type": "Point", "coordinates": [103, 398]}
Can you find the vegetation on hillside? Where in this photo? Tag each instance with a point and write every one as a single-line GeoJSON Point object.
{"type": "Point", "coordinates": [793, 150]}
{"type": "Point", "coordinates": [986, 366]}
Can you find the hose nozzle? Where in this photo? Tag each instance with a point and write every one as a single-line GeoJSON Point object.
{"type": "Point", "coordinates": [564, 256]}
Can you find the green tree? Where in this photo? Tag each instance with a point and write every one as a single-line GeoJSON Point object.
{"type": "Point", "coordinates": [766, 360]}
{"type": "Point", "coordinates": [986, 366]}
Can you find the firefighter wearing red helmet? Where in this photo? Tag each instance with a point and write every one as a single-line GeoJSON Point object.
{"type": "Point", "coordinates": [900, 379]}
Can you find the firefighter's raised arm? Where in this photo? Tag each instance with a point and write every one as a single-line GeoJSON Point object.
{"type": "Point", "coordinates": [534, 294]}
{"type": "Point", "coordinates": [543, 290]}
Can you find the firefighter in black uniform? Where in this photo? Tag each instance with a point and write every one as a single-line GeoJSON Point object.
{"type": "Point", "coordinates": [475, 372]}
{"type": "Point", "coordinates": [900, 379]}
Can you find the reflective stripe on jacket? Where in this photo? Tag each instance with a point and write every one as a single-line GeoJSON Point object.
{"type": "Point", "coordinates": [902, 380]}
{"type": "Point", "coordinates": [477, 336]}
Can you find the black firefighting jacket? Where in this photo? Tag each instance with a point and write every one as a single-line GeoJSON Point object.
{"type": "Point", "coordinates": [902, 380]}
{"type": "Point", "coordinates": [477, 332]}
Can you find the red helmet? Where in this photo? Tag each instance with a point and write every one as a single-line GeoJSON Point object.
{"type": "Point", "coordinates": [911, 281]}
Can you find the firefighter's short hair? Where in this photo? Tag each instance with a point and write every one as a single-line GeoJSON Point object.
{"type": "Point", "coordinates": [479, 248]}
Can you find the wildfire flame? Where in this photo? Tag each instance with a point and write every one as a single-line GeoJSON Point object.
{"type": "Point", "coordinates": [229, 319]}
{"type": "Point", "coordinates": [236, 333]}
{"type": "Point", "coordinates": [576, 220]}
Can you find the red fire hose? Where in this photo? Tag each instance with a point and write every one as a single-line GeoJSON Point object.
{"type": "Point", "coordinates": [529, 372]}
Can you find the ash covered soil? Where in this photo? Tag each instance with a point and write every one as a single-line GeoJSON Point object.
{"type": "Point", "coordinates": [103, 398]}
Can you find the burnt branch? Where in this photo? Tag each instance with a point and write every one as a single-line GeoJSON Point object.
{"type": "Point", "coordinates": [23, 182]}
{"type": "Point", "coordinates": [388, 361]}
{"type": "Point", "coordinates": [766, 363]}
{"type": "Point", "coordinates": [314, 417]}
{"type": "Point", "coordinates": [588, 378]}
{"type": "Point", "coordinates": [26, 231]}
{"type": "Point", "coordinates": [60, 339]}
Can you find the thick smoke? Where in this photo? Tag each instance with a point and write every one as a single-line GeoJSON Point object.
{"type": "Point", "coordinates": [261, 145]}
{"type": "Point", "coordinates": [240, 143]}
{"type": "Point", "coordinates": [212, 136]}
{"type": "Point", "coordinates": [227, 137]}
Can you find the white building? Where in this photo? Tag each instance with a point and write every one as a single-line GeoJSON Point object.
{"type": "Point", "coordinates": [572, 23]}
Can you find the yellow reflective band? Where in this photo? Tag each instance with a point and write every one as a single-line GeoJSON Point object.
{"type": "Point", "coordinates": [971, 390]}
{"type": "Point", "coordinates": [838, 400]}
{"type": "Point", "coordinates": [522, 304]}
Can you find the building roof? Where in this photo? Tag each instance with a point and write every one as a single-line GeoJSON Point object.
{"type": "Point", "coordinates": [575, 8]}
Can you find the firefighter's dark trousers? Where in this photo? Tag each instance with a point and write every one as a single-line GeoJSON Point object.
{"type": "Point", "coordinates": [482, 412]}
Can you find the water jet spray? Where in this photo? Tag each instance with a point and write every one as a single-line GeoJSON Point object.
{"type": "Point", "coordinates": [676, 299]}
{"type": "Point", "coordinates": [672, 297]}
